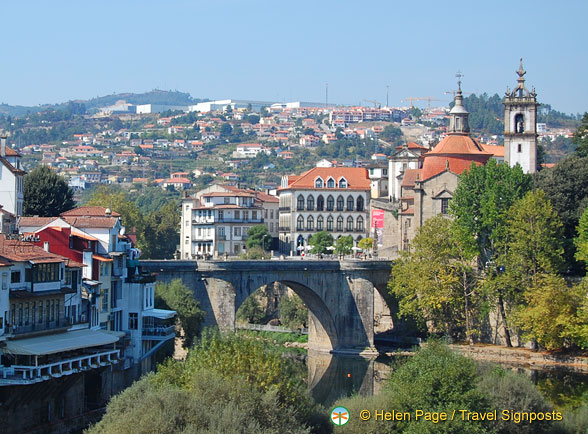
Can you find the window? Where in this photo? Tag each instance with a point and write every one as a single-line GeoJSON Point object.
{"type": "Point", "coordinates": [310, 223]}
{"type": "Point", "coordinates": [133, 320]}
{"type": "Point", "coordinates": [237, 231]}
{"type": "Point", "coordinates": [340, 203]}
{"type": "Point", "coordinates": [360, 224]}
{"type": "Point", "coordinates": [310, 203]}
{"type": "Point", "coordinates": [221, 215]}
{"type": "Point", "coordinates": [339, 223]}
{"type": "Point", "coordinates": [320, 203]}
{"type": "Point", "coordinates": [330, 203]}
{"type": "Point", "coordinates": [253, 215]}
{"type": "Point", "coordinates": [105, 300]}
{"type": "Point", "coordinates": [237, 215]}
{"type": "Point", "coordinates": [245, 215]}
{"type": "Point", "coordinates": [5, 281]}
{"type": "Point", "coordinates": [519, 124]}
{"type": "Point", "coordinates": [349, 224]}
{"type": "Point", "coordinates": [330, 183]}
{"type": "Point", "coordinates": [519, 148]}
{"type": "Point", "coordinates": [342, 183]}
{"type": "Point", "coordinates": [318, 183]}
{"type": "Point", "coordinates": [271, 226]}
{"type": "Point", "coordinates": [444, 206]}
{"type": "Point", "coordinates": [350, 203]}
{"type": "Point", "coordinates": [300, 223]}
{"type": "Point", "coordinates": [319, 223]}
{"type": "Point", "coordinates": [45, 273]}
{"type": "Point", "coordinates": [360, 203]}
{"type": "Point", "coordinates": [227, 200]}
{"type": "Point", "coordinates": [221, 231]}
{"type": "Point", "coordinates": [265, 213]}
{"type": "Point", "coordinates": [271, 213]}
{"type": "Point", "coordinates": [330, 223]}
{"type": "Point", "coordinates": [300, 203]}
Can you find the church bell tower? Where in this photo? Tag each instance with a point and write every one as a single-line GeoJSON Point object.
{"type": "Point", "coordinates": [520, 125]}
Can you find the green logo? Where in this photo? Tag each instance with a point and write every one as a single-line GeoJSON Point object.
{"type": "Point", "coordinates": [339, 416]}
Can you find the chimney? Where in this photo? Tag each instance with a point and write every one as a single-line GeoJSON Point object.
{"type": "Point", "coordinates": [46, 246]}
{"type": "Point", "coordinates": [3, 143]}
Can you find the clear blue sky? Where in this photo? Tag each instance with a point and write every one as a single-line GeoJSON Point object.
{"type": "Point", "coordinates": [54, 51]}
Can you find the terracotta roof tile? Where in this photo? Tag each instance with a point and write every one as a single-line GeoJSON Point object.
{"type": "Point", "coordinates": [19, 251]}
{"type": "Point", "coordinates": [357, 177]}
{"type": "Point", "coordinates": [497, 151]}
{"type": "Point", "coordinates": [89, 211]}
{"type": "Point", "coordinates": [410, 176]}
{"type": "Point", "coordinates": [91, 222]}
{"type": "Point", "coordinates": [35, 222]}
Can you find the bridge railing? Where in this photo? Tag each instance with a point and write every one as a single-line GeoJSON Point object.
{"type": "Point", "coordinates": [271, 328]}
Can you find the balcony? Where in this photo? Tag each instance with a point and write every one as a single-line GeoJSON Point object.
{"type": "Point", "coordinates": [158, 333]}
{"type": "Point", "coordinates": [20, 374]}
{"type": "Point", "coordinates": [285, 209]}
{"type": "Point", "coordinates": [284, 229]}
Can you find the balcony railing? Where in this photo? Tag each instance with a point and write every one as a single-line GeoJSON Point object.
{"type": "Point", "coordinates": [19, 374]}
{"type": "Point", "coordinates": [158, 333]}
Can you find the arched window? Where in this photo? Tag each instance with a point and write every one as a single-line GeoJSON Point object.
{"type": "Point", "coordinates": [342, 183]}
{"type": "Point", "coordinates": [350, 203]}
{"type": "Point", "coordinates": [310, 202]}
{"type": "Point", "coordinates": [330, 183]}
{"type": "Point", "coordinates": [349, 224]}
{"type": "Point", "coordinates": [519, 123]}
{"type": "Point", "coordinates": [360, 203]}
{"type": "Point", "coordinates": [300, 206]}
{"type": "Point", "coordinates": [340, 203]}
{"type": "Point", "coordinates": [359, 224]}
{"type": "Point", "coordinates": [319, 183]}
{"type": "Point", "coordinates": [330, 203]}
{"type": "Point", "coordinates": [320, 203]}
{"type": "Point", "coordinates": [330, 223]}
{"type": "Point", "coordinates": [339, 223]}
{"type": "Point", "coordinates": [319, 223]}
{"type": "Point", "coordinates": [310, 223]}
{"type": "Point", "coordinates": [300, 223]}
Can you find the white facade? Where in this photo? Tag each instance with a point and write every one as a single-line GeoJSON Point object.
{"type": "Point", "coordinates": [11, 180]}
{"type": "Point", "coordinates": [398, 164]}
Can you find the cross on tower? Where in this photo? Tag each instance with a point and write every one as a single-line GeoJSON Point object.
{"type": "Point", "coordinates": [459, 75]}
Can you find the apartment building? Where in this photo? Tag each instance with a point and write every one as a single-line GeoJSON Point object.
{"type": "Point", "coordinates": [333, 199]}
{"type": "Point", "coordinates": [216, 220]}
{"type": "Point", "coordinates": [11, 179]}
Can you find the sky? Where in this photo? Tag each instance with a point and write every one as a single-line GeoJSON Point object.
{"type": "Point", "coordinates": [281, 50]}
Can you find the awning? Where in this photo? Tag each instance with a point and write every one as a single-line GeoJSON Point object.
{"type": "Point", "coordinates": [91, 282]}
{"type": "Point", "coordinates": [101, 258]}
{"type": "Point", "coordinates": [59, 342]}
{"type": "Point", "coordinates": [81, 234]}
{"type": "Point", "coordinates": [159, 313]}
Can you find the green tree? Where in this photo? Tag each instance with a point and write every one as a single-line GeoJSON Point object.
{"type": "Point", "coordinates": [435, 283]}
{"type": "Point", "coordinates": [226, 130]}
{"type": "Point", "coordinates": [344, 245]}
{"type": "Point", "coordinates": [366, 243]}
{"type": "Point", "coordinates": [176, 296]}
{"type": "Point", "coordinates": [119, 202]}
{"type": "Point", "coordinates": [46, 194]}
{"type": "Point", "coordinates": [251, 311]}
{"type": "Point", "coordinates": [293, 312]}
{"type": "Point", "coordinates": [392, 134]}
{"type": "Point", "coordinates": [258, 236]}
{"type": "Point", "coordinates": [320, 242]}
{"type": "Point", "coordinates": [580, 138]}
{"type": "Point", "coordinates": [481, 203]}
{"type": "Point", "coordinates": [159, 237]}
{"type": "Point", "coordinates": [581, 241]}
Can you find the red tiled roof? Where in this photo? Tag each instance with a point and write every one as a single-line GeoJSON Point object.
{"type": "Point", "coordinates": [19, 251]}
{"type": "Point", "coordinates": [178, 180]}
{"type": "Point", "coordinates": [410, 176]}
{"type": "Point", "coordinates": [91, 222]}
{"type": "Point", "coordinates": [35, 221]}
{"type": "Point", "coordinates": [408, 211]}
{"type": "Point", "coordinates": [497, 151]}
{"type": "Point", "coordinates": [89, 211]}
{"type": "Point", "coordinates": [234, 193]}
{"type": "Point", "coordinates": [264, 197]}
{"type": "Point", "coordinates": [357, 177]}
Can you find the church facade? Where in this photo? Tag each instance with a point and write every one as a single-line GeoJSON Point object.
{"type": "Point", "coordinates": [428, 181]}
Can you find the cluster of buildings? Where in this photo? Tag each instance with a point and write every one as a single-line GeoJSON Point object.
{"type": "Point", "coordinates": [73, 300]}
{"type": "Point", "coordinates": [389, 199]}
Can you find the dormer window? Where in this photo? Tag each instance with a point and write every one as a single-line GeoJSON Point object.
{"type": "Point", "coordinates": [319, 183]}
{"type": "Point", "coordinates": [330, 183]}
{"type": "Point", "coordinates": [342, 183]}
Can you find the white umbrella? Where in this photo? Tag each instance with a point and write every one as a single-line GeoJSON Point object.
{"type": "Point", "coordinates": [331, 248]}
{"type": "Point", "coordinates": [357, 249]}
{"type": "Point", "coordinates": [300, 248]}
{"type": "Point", "coordinates": [310, 247]}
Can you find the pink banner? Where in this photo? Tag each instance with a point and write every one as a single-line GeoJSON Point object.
{"type": "Point", "coordinates": [377, 218]}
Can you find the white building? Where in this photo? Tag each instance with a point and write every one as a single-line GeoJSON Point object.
{"type": "Point", "coordinates": [11, 179]}
{"type": "Point", "coordinates": [406, 157]}
{"type": "Point", "coordinates": [323, 199]}
{"type": "Point", "coordinates": [249, 150]}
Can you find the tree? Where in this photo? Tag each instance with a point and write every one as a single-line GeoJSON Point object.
{"type": "Point", "coordinates": [435, 283]}
{"type": "Point", "coordinates": [481, 203]}
{"type": "Point", "coordinates": [226, 130]}
{"type": "Point", "coordinates": [176, 296]}
{"type": "Point", "coordinates": [159, 237]}
{"type": "Point", "coordinates": [293, 312]}
{"type": "Point", "coordinates": [392, 134]}
{"type": "Point", "coordinates": [258, 236]}
{"type": "Point", "coordinates": [344, 245]}
{"type": "Point", "coordinates": [118, 201]}
{"type": "Point", "coordinates": [580, 138]}
{"type": "Point", "coordinates": [320, 242]}
{"type": "Point", "coordinates": [581, 241]}
{"type": "Point", "coordinates": [46, 194]}
{"type": "Point", "coordinates": [366, 243]}
{"type": "Point", "coordinates": [250, 311]}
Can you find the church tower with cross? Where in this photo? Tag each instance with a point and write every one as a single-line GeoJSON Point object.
{"type": "Point", "coordinates": [520, 125]}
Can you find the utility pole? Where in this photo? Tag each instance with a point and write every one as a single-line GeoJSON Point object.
{"type": "Point", "coordinates": [326, 95]}
{"type": "Point", "coordinates": [387, 93]}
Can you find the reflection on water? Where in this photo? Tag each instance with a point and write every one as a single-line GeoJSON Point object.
{"type": "Point", "coordinates": [331, 377]}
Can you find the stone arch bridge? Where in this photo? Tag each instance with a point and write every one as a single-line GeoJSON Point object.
{"type": "Point", "coordinates": [347, 300]}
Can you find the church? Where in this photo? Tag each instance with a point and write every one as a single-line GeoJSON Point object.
{"type": "Point", "coordinates": [423, 183]}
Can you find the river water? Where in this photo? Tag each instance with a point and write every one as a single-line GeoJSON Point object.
{"type": "Point", "coordinates": [331, 377]}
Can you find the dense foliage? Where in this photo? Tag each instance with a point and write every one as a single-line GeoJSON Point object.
{"type": "Point", "coordinates": [293, 312]}
{"type": "Point", "coordinates": [320, 242]}
{"type": "Point", "coordinates": [46, 194]}
{"type": "Point", "coordinates": [259, 236]}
